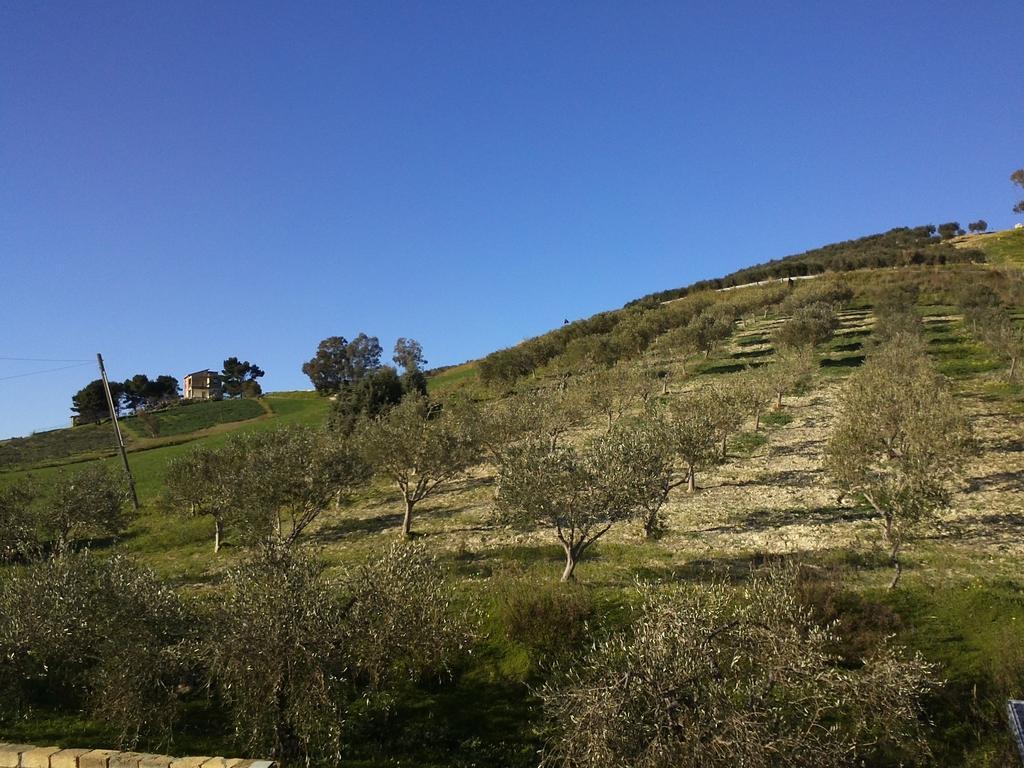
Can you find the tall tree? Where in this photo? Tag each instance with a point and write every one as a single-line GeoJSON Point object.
{"type": "Point", "coordinates": [239, 378]}
{"type": "Point", "coordinates": [950, 229]}
{"type": "Point", "coordinates": [978, 226]}
{"type": "Point", "coordinates": [339, 362]}
{"type": "Point", "coordinates": [409, 354]}
{"type": "Point", "coordinates": [899, 442]}
{"type": "Point", "coordinates": [90, 402]}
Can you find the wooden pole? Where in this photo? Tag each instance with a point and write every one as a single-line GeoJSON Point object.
{"type": "Point", "coordinates": [117, 431]}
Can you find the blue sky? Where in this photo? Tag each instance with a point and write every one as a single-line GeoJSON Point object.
{"type": "Point", "coordinates": [181, 182]}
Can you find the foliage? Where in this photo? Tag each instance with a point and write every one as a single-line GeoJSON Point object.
{"type": "Point", "coordinates": [339, 361]}
{"type": "Point", "coordinates": [899, 441]}
{"type": "Point", "coordinates": [811, 325]}
{"type": "Point", "coordinates": [97, 633]}
{"type": "Point", "coordinates": [19, 521]}
{"type": "Point", "coordinates": [140, 391]}
{"type": "Point", "coordinates": [409, 354]}
{"type": "Point", "coordinates": [950, 229]}
{"type": "Point", "coordinates": [272, 485]}
{"type": "Point", "coordinates": [897, 247]}
{"type": "Point", "coordinates": [420, 448]}
{"type": "Point", "coordinates": [239, 378]}
{"type": "Point", "coordinates": [1017, 177]}
{"type": "Point", "coordinates": [978, 226]}
{"type": "Point", "coordinates": [831, 290]}
{"type": "Point", "coordinates": [402, 622]}
{"type": "Point", "coordinates": [85, 504]}
{"type": "Point", "coordinates": [90, 402]}
{"type": "Point", "coordinates": [548, 618]}
{"type": "Point", "coordinates": [705, 677]}
{"type": "Point", "coordinates": [296, 649]}
{"type": "Point", "coordinates": [368, 397]}
{"type": "Point", "coordinates": [578, 493]}
{"type": "Point", "coordinates": [791, 369]}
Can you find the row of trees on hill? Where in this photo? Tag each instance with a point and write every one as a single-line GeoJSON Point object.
{"type": "Point", "coordinates": [239, 378]}
{"type": "Point", "coordinates": [898, 247]}
{"type": "Point", "coordinates": [90, 402]}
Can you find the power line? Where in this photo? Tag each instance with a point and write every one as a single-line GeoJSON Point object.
{"type": "Point", "coordinates": [48, 370]}
{"type": "Point", "coordinates": [47, 359]}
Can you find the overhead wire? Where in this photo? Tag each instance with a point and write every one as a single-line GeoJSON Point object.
{"type": "Point", "coordinates": [48, 370]}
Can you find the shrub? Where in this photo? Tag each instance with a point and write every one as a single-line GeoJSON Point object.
{"type": "Point", "coordinates": [549, 619]}
{"type": "Point", "coordinates": [710, 677]}
{"type": "Point", "coordinates": [79, 631]}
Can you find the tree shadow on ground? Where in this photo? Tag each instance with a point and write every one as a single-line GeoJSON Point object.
{"type": "Point", "coordinates": [761, 520]}
{"type": "Point", "coordinates": [842, 362]}
{"type": "Point", "coordinates": [356, 526]}
{"type": "Point", "coordinates": [1002, 481]}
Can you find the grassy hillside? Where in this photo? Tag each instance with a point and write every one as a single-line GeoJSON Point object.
{"type": "Point", "coordinates": [960, 602]}
{"type": "Point", "coordinates": [208, 424]}
{"type": "Point", "coordinates": [1003, 248]}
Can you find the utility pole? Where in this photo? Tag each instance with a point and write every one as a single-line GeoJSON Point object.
{"type": "Point", "coordinates": [117, 431]}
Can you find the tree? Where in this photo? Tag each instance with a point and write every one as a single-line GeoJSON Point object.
{"type": "Point", "coordinates": [271, 485]}
{"type": "Point", "coordinates": [950, 229]}
{"type": "Point", "coordinates": [693, 432]}
{"type": "Point", "coordinates": [19, 521]}
{"type": "Point", "coordinates": [86, 504]}
{"type": "Point", "coordinates": [295, 648]}
{"type": "Point", "coordinates": [90, 402]}
{"type": "Point", "coordinates": [140, 391]}
{"type": "Point", "coordinates": [239, 378]}
{"type": "Point", "coordinates": [717, 677]}
{"type": "Point", "coordinates": [100, 636]}
{"type": "Point", "coordinates": [792, 368]}
{"type": "Point", "coordinates": [338, 362]}
{"type": "Point", "coordinates": [206, 481]}
{"type": "Point", "coordinates": [682, 342]}
{"type": "Point", "coordinates": [408, 354]}
{"type": "Point", "coordinates": [978, 226]}
{"type": "Point", "coordinates": [578, 493]}
{"type": "Point", "coordinates": [811, 325]}
{"type": "Point", "coordinates": [1017, 177]}
{"type": "Point", "coordinates": [711, 327]}
{"type": "Point", "coordinates": [899, 441]}
{"type": "Point", "coordinates": [996, 327]}
{"type": "Point", "coordinates": [369, 397]}
{"type": "Point", "coordinates": [420, 447]}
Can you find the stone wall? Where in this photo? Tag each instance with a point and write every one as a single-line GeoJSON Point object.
{"type": "Point", "coordinates": [28, 756]}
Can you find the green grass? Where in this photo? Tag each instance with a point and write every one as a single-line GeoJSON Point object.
{"type": "Point", "coordinates": [453, 378]}
{"type": "Point", "coordinates": [92, 439]}
{"type": "Point", "coordinates": [1006, 247]}
{"type": "Point", "coordinates": [183, 419]}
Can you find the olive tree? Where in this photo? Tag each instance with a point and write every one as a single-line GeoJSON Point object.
{"type": "Point", "coordinates": [296, 648]}
{"type": "Point", "coordinates": [579, 493]}
{"type": "Point", "coordinates": [85, 504]}
{"type": "Point", "coordinates": [19, 521]}
{"type": "Point", "coordinates": [270, 485]}
{"type": "Point", "coordinates": [420, 447]}
{"type": "Point", "coordinates": [899, 441]}
{"type": "Point", "coordinates": [997, 328]}
{"type": "Point", "coordinates": [792, 368]}
{"type": "Point", "coordinates": [692, 429]}
{"type": "Point", "coordinates": [811, 325]}
{"type": "Point", "coordinates": [206, 481]}
{"type": "Point", "coordinates": [96, 634]}
{"type": "Point", "coordinates": [711, 676]}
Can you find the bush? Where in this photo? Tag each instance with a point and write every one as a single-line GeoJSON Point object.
{"type": "Point", "coordinates": [82, 632]}
{"type": "Point", "coordinates": [548, 619]}
{"type": "Point", "coordinates": [712, 677]}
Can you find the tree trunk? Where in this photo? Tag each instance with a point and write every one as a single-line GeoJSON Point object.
{"type": "Point", "coordinates": [724, 447]}
{"type": "Point", "coordinates": [218, 529]}
{"type": "Point", "coordinates": [570, 564]}
{"type": "Point", "coordinates": [757, 419]}
{"type": "Point", "coordinates": [610, 421]}
{"type": "Point", "coordinates": [691, 481]}
{"type": "Point", "coordinates": [407, 520]}
{"type": "Point", "coordinates": [707, 353]}
{"type": "Point", "coordinates": [1013, 367]}
{"type": "Point", "coordinates": [778, 402]}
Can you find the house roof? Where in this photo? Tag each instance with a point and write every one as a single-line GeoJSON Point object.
{"type": "Point", "coordinates": [204, 374]}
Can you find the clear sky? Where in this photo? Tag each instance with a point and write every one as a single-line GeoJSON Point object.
{"type": "Point", "coordinates": [184, 181]}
